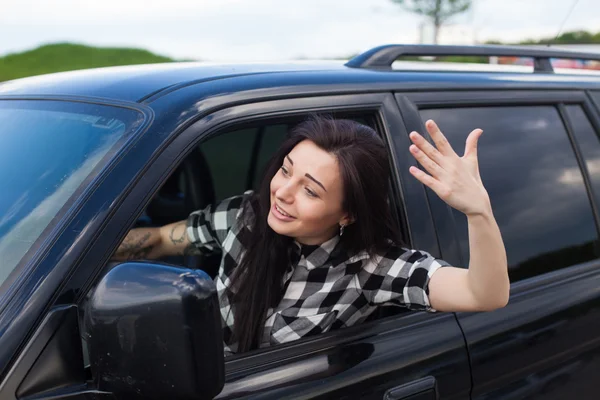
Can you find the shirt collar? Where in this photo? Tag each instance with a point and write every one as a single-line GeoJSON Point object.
{"type": "Point", "coordinates": [314, 256]}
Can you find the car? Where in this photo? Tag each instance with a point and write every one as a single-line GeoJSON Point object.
{"type": "Point", "coordinates": [87, 155]}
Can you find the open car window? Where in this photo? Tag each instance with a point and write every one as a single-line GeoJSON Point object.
{"type": "Point", "coordinates": [226, 164]}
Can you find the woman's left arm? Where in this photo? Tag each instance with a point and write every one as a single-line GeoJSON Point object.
{"type": "Point", "coordinates": [456, 180]}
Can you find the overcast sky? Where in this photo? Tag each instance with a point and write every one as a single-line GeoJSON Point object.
{"type": "Point", "coordinates": [255, 30]}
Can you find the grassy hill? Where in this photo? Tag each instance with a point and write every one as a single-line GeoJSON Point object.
{"type": "Point", "coordinates": [66, 57]}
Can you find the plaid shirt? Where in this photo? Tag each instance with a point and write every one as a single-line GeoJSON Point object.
{"type": "Point", "coordinates": [325, 288]}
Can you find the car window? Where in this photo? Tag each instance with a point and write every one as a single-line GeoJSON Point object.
{"type": "Point", "coordinates": [47, 149]}
{"type": "Point", "coordinates": [536, 187]}
{"type": "Point", "coordinates": [240, 155]}
{"type": "Point", "coordinates": [589, 145]}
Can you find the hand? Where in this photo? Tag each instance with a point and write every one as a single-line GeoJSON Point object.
{"type": "Point", "coordinates": [454, 179]}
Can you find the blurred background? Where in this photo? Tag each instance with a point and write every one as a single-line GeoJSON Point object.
{"type": "Point", "coordinates": [38, 37]}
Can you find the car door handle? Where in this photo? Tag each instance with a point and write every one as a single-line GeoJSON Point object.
{"type": "Point", "coordinates": [421, 389]}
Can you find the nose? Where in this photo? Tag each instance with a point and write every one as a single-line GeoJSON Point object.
{"type": "Point", "coordinates": [285, 192]}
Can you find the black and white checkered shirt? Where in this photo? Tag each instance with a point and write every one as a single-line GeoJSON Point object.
{"type": "Point", "coordinates": [325, 288]}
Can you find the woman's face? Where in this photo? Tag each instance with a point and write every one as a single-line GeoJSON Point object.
{"type": "Point", "coordinates": [306, 195]}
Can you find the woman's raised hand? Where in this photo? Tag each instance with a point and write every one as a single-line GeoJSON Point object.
{"type": "Point", "coordinates": [454, 179]}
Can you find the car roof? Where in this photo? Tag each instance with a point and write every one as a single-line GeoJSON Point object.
{"type": "Point", "coordinates": [139, 82]}
{"type": "Point", "coordinates": [136, 82]}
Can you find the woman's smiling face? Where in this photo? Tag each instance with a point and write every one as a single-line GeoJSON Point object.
{"type": "Point", "coordinates": [307, 195]}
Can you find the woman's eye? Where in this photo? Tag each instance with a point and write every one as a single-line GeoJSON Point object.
{"type": "Point", "coordinates": [284, 171]}
{"type": "Point", "coordinates": [310, 192]}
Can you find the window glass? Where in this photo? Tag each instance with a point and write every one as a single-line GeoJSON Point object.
{"type": "Point", "coordinates": [273, 136]}
{"type": "Point", "coordinates": [47, 149]}
{"type": "Point", "coordinates": [238, 158]}
{"type": "Point", "coordinates": [228, 156]}
{"type": "Point", "coordinates": [537, 191]}
{"type": "Point", "coordinates": [589, 145]}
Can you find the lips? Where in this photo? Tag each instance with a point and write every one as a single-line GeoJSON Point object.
{"type": "Point", "coordinates": [282, 211]}
{"type": "Point", "coordinates": [281, 214]}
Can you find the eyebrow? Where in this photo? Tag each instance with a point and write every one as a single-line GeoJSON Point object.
{"type": "Point", "coordinates": [309, 176]}
{"type": "Point", "coordinates": [316, 181]}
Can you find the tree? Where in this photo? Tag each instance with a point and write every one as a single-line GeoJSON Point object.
{"type": "Point", "coordinates": [438, 11]}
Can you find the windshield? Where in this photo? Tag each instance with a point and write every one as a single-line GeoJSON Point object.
{"type": "Point", "coordinates": [47, 149]}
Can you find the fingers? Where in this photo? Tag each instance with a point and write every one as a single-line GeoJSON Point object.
{"type": "Point", "coordinates": [431, 166]}
{"type": "Point", "coordinates": [471, 144]}
{"type": "Point", "coordinates": [426, 147]}
{"type": "Point", "coordinates": [430, 182]}
{"type": "Point", "coordinates": [439, 139]}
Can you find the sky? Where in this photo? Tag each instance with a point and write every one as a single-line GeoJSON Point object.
{"type": "Point", "coordinates": [267, 30]}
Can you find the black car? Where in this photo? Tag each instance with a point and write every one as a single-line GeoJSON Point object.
{"type": "Point", "coordinates": [85, 156]}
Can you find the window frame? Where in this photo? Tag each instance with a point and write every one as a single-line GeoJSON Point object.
{"type": "Point", "coordinates": [505, 98]}
{"type": "Point", "coordinates": [594, 99]}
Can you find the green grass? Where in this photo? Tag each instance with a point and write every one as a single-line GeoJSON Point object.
{"type": "Point", "coordinates": [66, 57]}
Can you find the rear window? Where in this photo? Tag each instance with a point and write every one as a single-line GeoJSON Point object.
{"type": "Point", "coordinates": [537, 190]}
{"type": "Point", "coordinates": [47, 150]}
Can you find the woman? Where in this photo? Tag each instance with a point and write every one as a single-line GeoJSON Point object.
{"type": "Point", "coordinates": [316, 249]}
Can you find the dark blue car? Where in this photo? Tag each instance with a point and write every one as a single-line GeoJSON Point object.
{"type": "Point", "coordinates": [87, 155]}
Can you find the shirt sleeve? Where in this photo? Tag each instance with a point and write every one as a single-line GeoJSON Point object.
{"type": "Point", "coordinates": [208, 228]}
{"type": "Point", "coordinates": [401, 277]}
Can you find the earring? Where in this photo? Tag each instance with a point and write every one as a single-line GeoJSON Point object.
{"type": "Point", "coordinates": [342, 226]}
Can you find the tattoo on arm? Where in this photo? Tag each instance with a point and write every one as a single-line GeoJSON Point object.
{"type": "Point", "coordinates": [178, 233]}
{"type": "Point", "coordinates": [135, 247]}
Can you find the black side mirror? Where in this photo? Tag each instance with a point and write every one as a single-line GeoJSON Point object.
{"type": "Point", "coordinates": [153, 331]}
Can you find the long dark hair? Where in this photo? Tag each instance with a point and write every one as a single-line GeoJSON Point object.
{"type": "Point", "coordinates": [364, 167]}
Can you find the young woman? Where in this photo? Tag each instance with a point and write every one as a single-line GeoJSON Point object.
{"type": "Point", "coordinates": [316, 248]}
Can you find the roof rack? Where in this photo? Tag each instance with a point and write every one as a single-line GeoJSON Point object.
{"type": "Point", "coordinates": [382, 57]}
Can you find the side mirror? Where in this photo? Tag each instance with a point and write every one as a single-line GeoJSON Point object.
{"type": "Point", "coordinates": [153, 331]}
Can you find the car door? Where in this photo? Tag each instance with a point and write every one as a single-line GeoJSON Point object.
{"type": "Point", "coordinates": [538, 159]}
{"type": "Point", "coordinates": [402, 356]}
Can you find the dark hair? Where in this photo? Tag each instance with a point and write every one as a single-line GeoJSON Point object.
{"type": "Point", "coordinates": [364, 167]}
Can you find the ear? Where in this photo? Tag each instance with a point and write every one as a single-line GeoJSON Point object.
{"type": "Point", "coordinates": [346, 220]}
